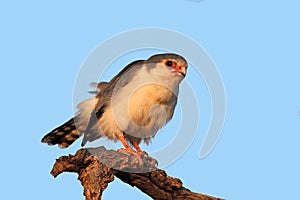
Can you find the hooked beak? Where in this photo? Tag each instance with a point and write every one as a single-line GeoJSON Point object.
{"type": "Point", "coordinates": [182, 70]}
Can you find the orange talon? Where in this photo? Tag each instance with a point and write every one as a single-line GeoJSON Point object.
{"type": "Point", "coordinates": [138, 149]}
{"type": "Point", "coordinates": [126, 145]}
{"type": "Point", "coordinates": [128, 149]}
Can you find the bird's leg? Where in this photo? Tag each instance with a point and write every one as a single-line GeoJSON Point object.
{"type": "Point", "coordinates": [136, 146]}
{"type": "Point", "coordinates": [125, 144]}
{"type": "Point", "coordinates": [143, 154]}
{"type": "Point", "coordinates": [128, 149]}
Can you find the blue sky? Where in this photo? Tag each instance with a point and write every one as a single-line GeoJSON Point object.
{"type": "Point", "coordinates": [254, 44]}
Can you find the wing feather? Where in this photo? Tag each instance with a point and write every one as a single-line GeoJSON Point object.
{"type": "Point", "coordinates": [104, 97]}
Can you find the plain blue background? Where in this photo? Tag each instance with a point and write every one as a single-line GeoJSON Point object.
{"type": "Point", "coordinates": [255, 45]}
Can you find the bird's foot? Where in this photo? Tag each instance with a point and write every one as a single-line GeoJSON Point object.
{"type": "Point", "coordinates": [132, 152]}
{"type": "Point", "coordinates": [142, 153]}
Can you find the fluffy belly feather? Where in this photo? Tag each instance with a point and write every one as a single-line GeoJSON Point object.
{"type": "Point", "coordinates": [148, 110]}
{"type": "Point", "coordinates": [140, 113]}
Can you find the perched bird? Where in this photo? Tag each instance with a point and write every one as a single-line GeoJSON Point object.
{"type": "Point", "coordinates": [131, 107]}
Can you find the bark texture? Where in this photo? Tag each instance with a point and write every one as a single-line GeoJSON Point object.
{"type": "Point", "coordinates": [97, 167]}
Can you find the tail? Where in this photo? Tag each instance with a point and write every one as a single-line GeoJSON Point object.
{"type": "Point", "coordinates": [63, 135]}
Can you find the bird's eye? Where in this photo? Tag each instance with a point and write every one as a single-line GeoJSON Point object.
{"type": "Point", "coordinates": [169, 63]}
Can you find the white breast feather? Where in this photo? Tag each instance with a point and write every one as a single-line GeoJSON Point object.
{"type": "Point", "coordinates": [140, 99]}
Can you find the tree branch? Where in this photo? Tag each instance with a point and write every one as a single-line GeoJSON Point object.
{"type": "Point", "coordinates": [97, 167]}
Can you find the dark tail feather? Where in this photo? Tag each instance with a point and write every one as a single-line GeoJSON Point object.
{"type": "Point", "coordinates": [63, 135]}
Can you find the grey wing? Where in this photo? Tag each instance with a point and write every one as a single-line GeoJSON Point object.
{"type": "Point", "coordinates": [125, 76]}
{"type": "Point", "coordinates": [103, 98]}
{"type": "Point", "coordinates": [170, 109]}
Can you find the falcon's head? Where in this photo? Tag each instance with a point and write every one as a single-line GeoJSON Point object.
{"type": "Point", "coordinates": [169, 65]}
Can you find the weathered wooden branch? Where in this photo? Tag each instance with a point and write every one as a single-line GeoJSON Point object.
{"type": "Point", "coordinates": [97, 167]}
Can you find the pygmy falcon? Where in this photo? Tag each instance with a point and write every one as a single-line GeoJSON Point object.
{"type": "Point", "coordinates": [131, 107]}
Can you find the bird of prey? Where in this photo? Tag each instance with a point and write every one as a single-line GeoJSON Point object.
{"type": "Point", "coordinates": [130, 108]}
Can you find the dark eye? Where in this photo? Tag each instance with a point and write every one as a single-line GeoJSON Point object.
{"type": "Point", "coordinates": [169, 63]}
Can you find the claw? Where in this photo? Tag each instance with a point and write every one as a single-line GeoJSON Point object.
{"type": "Point", "coordinates": [142, 153]}
{"type": "Point", "coordinates": [134, 153]}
